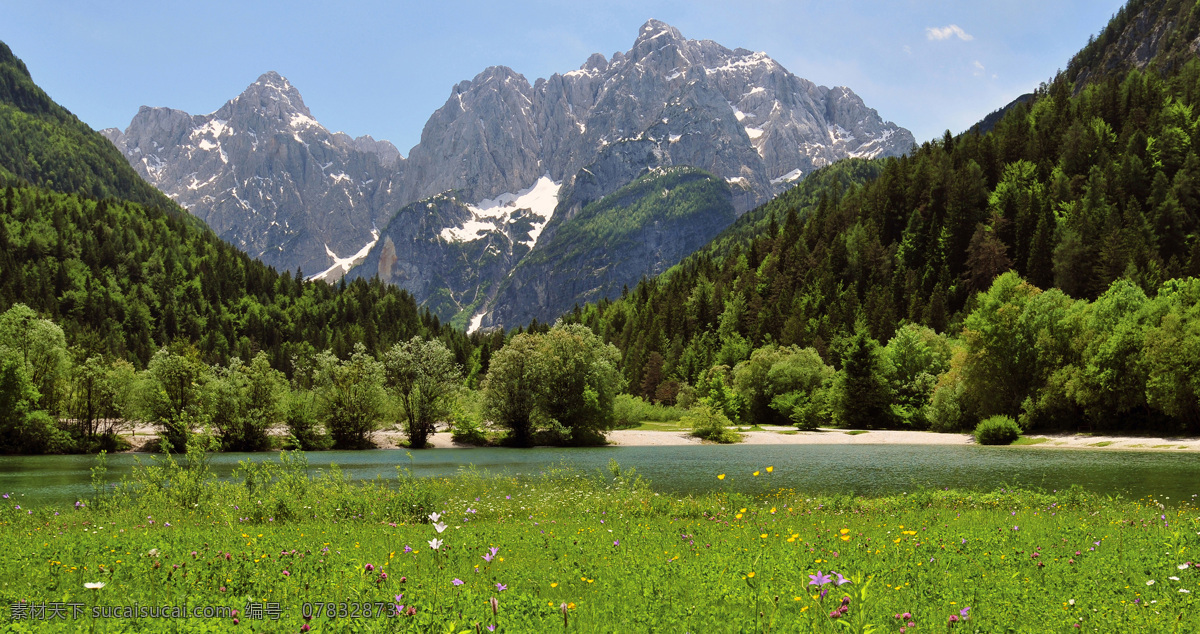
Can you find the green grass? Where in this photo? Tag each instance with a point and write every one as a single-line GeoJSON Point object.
{"type": "Point", "coordinates": [651, 425]}
{"type": "Point", "coordinates": [1026, 440]}
{"type": "Point", "coordinates": [788, 433]}
{"type": "Point", "coordinates": [1103, 443]}
{"type": "Point", "coordinates": [620, 556]}
{"type": "Point", "coordinates": [855, 432]}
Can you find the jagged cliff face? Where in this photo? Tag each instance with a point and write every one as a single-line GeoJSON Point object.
{"type": "Point", "coordinates": [267, 177]}
{"type": "Point", "coordinates": [735, 113]}
{"type": "Point", "coordinates": [1161, 34]}
{"type": "Point", "coordinates": [502, 162]}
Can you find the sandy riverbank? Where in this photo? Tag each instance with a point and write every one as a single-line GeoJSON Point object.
{"type": "Point", "coordinates": [391, 439]}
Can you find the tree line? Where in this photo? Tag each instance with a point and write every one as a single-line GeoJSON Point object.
{"type": "Point", "coordinates": [550, 386]}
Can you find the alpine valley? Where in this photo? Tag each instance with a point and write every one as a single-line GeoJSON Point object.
{"type": "Point", "coordinates": [521, 200]}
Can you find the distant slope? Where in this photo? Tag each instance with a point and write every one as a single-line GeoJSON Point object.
{"type": "Point", "coordinates": [1163, 35]}
{"type": "Point", "coordinates": [49, 147]}
{"type": "Point", "coordinates": [637, 231]}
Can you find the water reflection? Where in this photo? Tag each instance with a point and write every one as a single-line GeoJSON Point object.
{"type": "Point", "coordinates": [854, 469]}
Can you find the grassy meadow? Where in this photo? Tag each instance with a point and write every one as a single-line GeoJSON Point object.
{"type": "Point", "coordinates": [593, 552]}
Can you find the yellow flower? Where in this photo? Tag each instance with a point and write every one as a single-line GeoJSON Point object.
{"type": "Point", "coordinates": [756, 474]}
{"type": "Point", "coordinates": [763, 536]}
{"type": "Point", "coordinates": [742, 511]}
{"type": "Point", "coordinates": [845, 538]}
{"type": "Point", "coordinates": [770, 469]}
{"type": "Point", "coordinates": [570, 606]}
{"type": "Point", "coordinates": [750, 575]}
{"type": "Point", "coordinates": [721, 476]}
{"type": "Point", "coordinates": [845, 530]}
{"type": "Point", "coordinates": [554, 585]}
{"type": "Point", "coordinates": [738, 516]}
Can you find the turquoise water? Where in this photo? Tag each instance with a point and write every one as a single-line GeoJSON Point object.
{"type": "Point", "coordinates": [852, 469]}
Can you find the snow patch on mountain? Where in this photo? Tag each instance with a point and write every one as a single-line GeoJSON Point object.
{"type": "Point", "coordinates": [491, 213]}
{"type": "Point", "coordinates": [342, 265]}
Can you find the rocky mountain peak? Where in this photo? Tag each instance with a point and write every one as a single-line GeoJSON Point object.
{"type": "Point", "coordinates": [270, 94]}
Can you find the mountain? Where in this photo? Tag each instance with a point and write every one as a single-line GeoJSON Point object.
{"type": "Point", "coordinates": [267, 177]}
{"type": "Point", "coordinates": [667, 101]}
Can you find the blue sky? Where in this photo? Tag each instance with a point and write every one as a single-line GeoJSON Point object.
{"type": "Point", "coordinates": [382, 68]}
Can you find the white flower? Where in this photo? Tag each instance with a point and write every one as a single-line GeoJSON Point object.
{"type": "Point", "coordinates": [433, 517]}
{"type": "Point", "coordinates": [94, 585]}
{"type": "Point", "coordinates": [1150, 582]}
{"type": "Point", "coordinates": [153, 552]}
{"type": "Point", "coordinates": [1182, 566]}
{"type": "Point", "coordinates": [1173, 578]}
{"type": "Point", "coordinates": [435, 543]}
{"type": "Point", "coordinates": [1072, 601]}
{"type": "Point", "coordinates": [439, 527]}
{"type": "Point", "coordinates": [1185, 591]}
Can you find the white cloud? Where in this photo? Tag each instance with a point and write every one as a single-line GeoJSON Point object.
{"type": "Point", "coordinates": [979, 69]}
{"type": "Point", "coordinates": [947, 32]}
{"type": "Point", "coordinates": [908, 49]}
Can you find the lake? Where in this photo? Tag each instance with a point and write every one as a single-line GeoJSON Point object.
{"type": "Point", "coordinates": [853, 469]}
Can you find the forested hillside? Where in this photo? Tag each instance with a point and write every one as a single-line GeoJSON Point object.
{"type": "Point", "coordinates": [1087, 189]}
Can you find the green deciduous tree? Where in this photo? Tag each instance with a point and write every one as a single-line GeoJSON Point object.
{"type": "Point", "coordinates": [424, 376]}
{"type": "Point", "coordinates": [350, 396]}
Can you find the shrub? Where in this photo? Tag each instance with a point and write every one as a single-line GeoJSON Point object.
{"type": "Point", "coordinates": [631, 411]}
{"type": "Point", "coordinates": [710, 423]}
{"type": "Point", "coordinates": [997, 430]}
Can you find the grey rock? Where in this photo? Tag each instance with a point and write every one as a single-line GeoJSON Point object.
{"type": "Point", "coordinates": [266, 176]}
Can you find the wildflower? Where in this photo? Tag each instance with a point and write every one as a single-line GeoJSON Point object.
{"type": "Point", "coordinates": [433, 517]}
{"type": "Point", "coordinates": [554, 584]}
{"type": "Point", "coordinates": [491, 628]}
{"type": "Point", "coordinates": [305, 627]}
{"type": "Point", "coordinates": [495, 605]}
{"type": "Point", "coordinates": [1182, 566]}
{"type": "Point", "coordinates": [616, 542]}
{"type": "Point", "coordinates": [840, 579]}
{"type": "Point", "coordinates": [756, 474]}
{"type": "Point", "coordinates": [500, 587]}
{"type": "Point", "coordinates": [770, 469]}
{"type": "Point", "coordinates": [370, 567]}
{"type": "Point", "coordinates": [719, 477]}
{"type": "Point", "coordinates": [953, 619]}
{"type": "Point", "coordinates": [457, 581]}
{"type": "Point", "coordinates": [1150, 582]}
{"type": "Point", "coordinates": [439, 527]}
{"type": "Point", "coordinates": [94, 585]}
{"type": "Point", "coordinates": [435, 543]}
{"type": "Point", "coordinates": [286, 573]}
{"type": "Point", "coordinates": [963, 612]}
{"type": "Point", "coordinates": [819, 579]}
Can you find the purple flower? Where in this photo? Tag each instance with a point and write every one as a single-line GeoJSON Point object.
{"type": "Point", "coordinates": [487, 557]}
{"type": "Point", "coordinates": [840, 579]}
{"type": "Point", "coordinates": [370, 567]}
{"type": "Point", "coordinates": [616, 542]}
{"type": "Point", "coordinates": [963, 612]}
{"type": "Point", "coordinates": [491, 628]}
{"type": "Point", "coordinates": [500, 587]}
{"type": "Point", "coordinates": [407, 548]}
{"type": "Point", "coordinates": [954, 618]}
{"type": "Point", "coordinates": [819, 579]}
{"type": "Point", "coordinates": [457, 581]}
